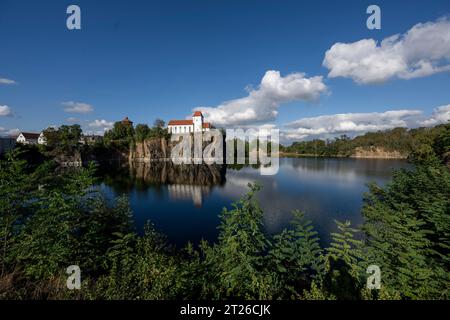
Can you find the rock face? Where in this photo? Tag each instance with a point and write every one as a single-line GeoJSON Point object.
{"type": "Point", "coordinates": [155, 149]}
{"type": "Point", "coordinates": [158, 149]}
{"type": "Point", "coordinates": [377, 153]}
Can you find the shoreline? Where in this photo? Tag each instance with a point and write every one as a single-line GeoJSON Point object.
{"type": "Point", "coordinates": [297, 155]}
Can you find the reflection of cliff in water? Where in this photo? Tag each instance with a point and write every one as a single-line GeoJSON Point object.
{"type": "Point", "coordinates": [166, 172]}
{"type": "Point", "coordinates": [181, 181]}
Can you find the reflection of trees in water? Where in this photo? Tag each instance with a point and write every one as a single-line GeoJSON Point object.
{"type": "Point", "coordinates": [169, 173]}
{"type": "Point", "coordinates": [343, 167]}
{"type": "Point", "coordinates": [238, 167]}
{"type": "Point", "coordinates": [184, 181]}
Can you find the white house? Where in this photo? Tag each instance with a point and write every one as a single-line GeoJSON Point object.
{"type": "Point", "coordinates": [31, 138]}
{"type": "Point", "coordinates": [185, 126]}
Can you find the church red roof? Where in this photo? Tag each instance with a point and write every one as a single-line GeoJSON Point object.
{"type": "Point", "coordinates": [180, 122]}
{"type": "Point", "coordinates": [189, 122]}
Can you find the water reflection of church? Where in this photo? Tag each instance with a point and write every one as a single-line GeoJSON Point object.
{"type": "Point", "coordinates": [186, 192]}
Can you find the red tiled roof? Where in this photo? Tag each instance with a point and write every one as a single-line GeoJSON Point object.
{"type": "Point", "coordinates": [198, 114]}
{"type": "Point", "coordinates": [206, 125]}
{"type": "Point", "coordinates": [31, 135]}
{"type": "Point", "coordinates": [180, 122]}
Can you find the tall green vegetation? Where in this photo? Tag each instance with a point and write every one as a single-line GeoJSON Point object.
{"type": "Point", "coordinates": [407, 230]}
{"type": "Point", "coordinates": [51, 220]}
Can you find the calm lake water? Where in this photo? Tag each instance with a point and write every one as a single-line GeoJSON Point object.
{"type": "Point", "coordinates": [185, 205]}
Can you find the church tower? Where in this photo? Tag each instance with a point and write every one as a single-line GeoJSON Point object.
{"type": "Point", "coordinates": [197, 120]}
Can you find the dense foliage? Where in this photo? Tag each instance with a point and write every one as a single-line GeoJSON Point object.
{"type": "Point", "coordinates": [64, 138]}
{"type": "Point", "coordinates": [51, 219]}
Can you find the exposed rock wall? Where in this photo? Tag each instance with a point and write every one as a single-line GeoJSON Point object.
{"type": "Point", "coordinates": [377, 153]}
{"type": "Point", "coordinates": [155, 149]}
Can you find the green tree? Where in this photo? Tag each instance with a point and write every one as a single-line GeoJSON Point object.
{"type": "Point", "coordinates": [142, 131]}
{"type": "Point", "coordinates": [342, 272]}
{"type": "Point", "coordinates": [159, 123]}
{"type": "Point", "coordinates": [407, 231]}
{"type": "Point", "coordinates": [237, 259]}
{"type": "Point", "coordinates": [296, 257]}
{"type": "Point", "coordinates": [63, 138]}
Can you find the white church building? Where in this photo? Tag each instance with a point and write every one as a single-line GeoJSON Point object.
{"type": "Point", "coordinates": [185, 126]}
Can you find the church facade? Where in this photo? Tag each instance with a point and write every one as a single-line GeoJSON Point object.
{"type": "Point", "coordinates": [197, 124]}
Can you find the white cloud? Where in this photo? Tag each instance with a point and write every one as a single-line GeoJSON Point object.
{"type": "Point", "coordinates": [350, 123]}
{"type": "Point", "coordinates": [5, 111]}
{"type": "Point", "coordinates": [440, 115]}
{"type": "Point", "coordinates": [421, 51]}
{"type": "Point", "coordinates": [77, 107]}
{"type": "Point", "coordinates": [101, 124]}
{"type": "Point", "coordinates": [9, 132]}
{"type": "Point", "coordinates": [7, 81]}
{"type": "Point", "coordinates": [72, 119]}
{"type": "Point", "coordinates": [262, 103]}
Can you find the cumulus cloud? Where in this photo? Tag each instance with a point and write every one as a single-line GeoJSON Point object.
{"type": "Point", "coordinates": [101, 124]}
{"type": "Point", "coordinates": [77, 107]}
{"type": "Point", "coordinates": [421, 51]}
{"type": "Point", "coordinates": [5, 111]}
{"type": "Point", "coordinates": [262, 103]}
{"type": "Point", "coordinates": [350, 123]}
{"type": "Point", "coordinates": [7, 81]}
{"type": "Point", "coordinates": [72, 119]}
{"type": "Point", "coordinates": [360, 123]}
{"type": "Point", "coordinates": [9, 132]}
{"type": "Point", "coordinates": [440, 115]}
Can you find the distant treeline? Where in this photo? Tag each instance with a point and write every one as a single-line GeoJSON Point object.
{"type": "Point", "coordinates": [402, 140]}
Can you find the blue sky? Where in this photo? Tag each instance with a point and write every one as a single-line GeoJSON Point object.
{"type": "Point", "coordinates": [149, 59]}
